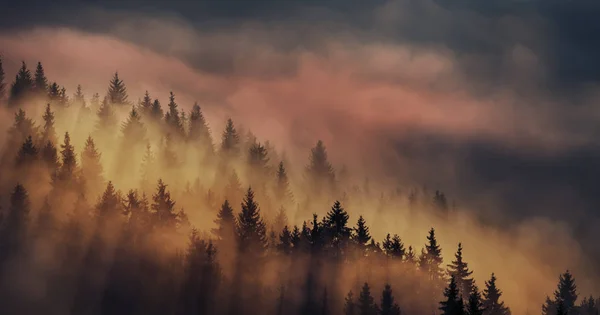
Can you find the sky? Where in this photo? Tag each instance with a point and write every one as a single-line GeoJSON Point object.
{"type": "Point", "coordinates": [494, 102]}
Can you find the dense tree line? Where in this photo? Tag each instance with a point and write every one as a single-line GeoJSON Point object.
{"type": "Point", "coordinates": [72, 242]}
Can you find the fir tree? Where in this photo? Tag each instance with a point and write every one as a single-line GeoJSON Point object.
{"type": "Point", "coordinates": [225, 221]}
{"type": "Point", "coordinates": [258, 160]}
{"type": "Point", "coordinates": [146, 104]}
{"type": "Point", "coordinates": [474, 306]}
{"type": "Point", "coordinates": [285, 241]}
{"type": "Point", "coordinates": [410, 257]}
{"type": "Point", "coordinates": [22, 86]}
{"type": "Point", "coordinates": [319, 170]}
{"type": "Point", "coordinates": [393, 247]}
{"type": "Point", "coordinates": [388, 306]}
{"type": "Point", "coordinates": [110, 204]}
{"type": "Point", "coordinates": [49, 156]}
{"type": "Point", "coordinates": [283, 193]}
{"type": "Point", "coordinates": [230, 140]}
{"type": "Point", "coordinates": [2, 82]}
{"type": "Point", "coordinates": [48, 132]}
{"type": "Point", "coordinates": [68, 168]}
{"type": "Point", "coordinates": [460, 270]}
{"type": "Point", "coordinates": [349, 305]}
{"type": "Point", "coordinates": [251, 230]}
{"type": "Point", "coordinates": [27, 154]}
{"type": "Point", "coordinates": [361, 232]}
{"type": "Point", "coordinates": [40, 83]}
{"type": "Point", "coordinates": [588, 306]}
{"type": "Point", "coordinates": [91, 167]}
{"type": "Point", "coordinates": [366, 304]}
{"type": "Point", "coordinates": [78, 97]}
{"type": "Point", "coordinates": [452, 305]}
{"type": "Point", "coordinates": [491, 299]}
{"type": "Point", "coordinates": [163, 207]}
{"type": "Point", "coordinates": [16, 222]}
{"type": "Point", "coordinates": [172, 118]}
{"type": "Point", "coordinates": [156, 112]}
{"type": "Point", "coordinates": [566, 291]}
{"type": "Point", "coordinates": [199, 131]}
{"type": "Point", "coordinates": [433, 258]}
{"type": "Point", "coordinates": [107, 120]}
{"type": "Point", "coordinates": [134, 131]}
{"type": "Point", "coordinates": [117, 92]}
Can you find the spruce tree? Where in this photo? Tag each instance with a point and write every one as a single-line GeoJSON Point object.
{"type": "Point", "coordinates": [68, 167]}
{"type": "Point", "coordinates": [117, 92]}
{"type": "Point", "coordinates": [49, 156]}
{"type": "Point", "coordinates": [589, 306]}
{"type": "Point", "coordinates": [134, 131]}
{"type": "Point", "coordinates": [40, 83]}
{"type": "Point", "coordinates": [78, 97]}
{"type": "Point", "coordinates": [258, 160]}
{"type": "Point", "coordinates": [251, 230]}
{"type": "Point", "coordinates": [199, 131]}
{"type": "Point", "coordinates": [366, 304]}
{"type": "Point", "coordinates": [460, 270]}
{"type": "Point", "coordinates": [172, 117]}
{"type": "Point", "coordinates": [28, 153]}
{"type": "Point", "coordinates": [163, 207]}
{"type": "Point", "coordinates": [566, 291]}
{"type": "Point", "coordinates": [361, 232]}
{"type": "Point", "coordinates": [146, 104]}
{"type": "Point", "coordinates": [410, 257]}
{"type": "Point", "coordinates": [107, 119]}
{"type": "Point", "coordinates": [349, 305]}
{"type": "Point", "coordinates": [393, 247]}
{"type": "Point", "coordinates": [48, 132]}
{"type": "Point", "coordinates": [336, 227]}
{"type": "Point", "coordinates": [281, 220]}
{"type": "Point", "coordinates": [491, 299]}
{"type": "Point", "coordinates": [474, 306]}
{"type": "Point", "coordinates": [285, 245]}
{"type": "Point", "coordinates": [230, 140]}
{"type": "Point", "coordinates": [283, 193]}
{"type": "Point", "coordinates": [2, 82]}
{"type": "Point", "coordinates": [225, 231]}
{"type": "Point", "coordinates": [452, 305]}
{"type": "Point", "coordinates": [109, 205]}
{"type": "Point", "coordinates": [91, 167]}
{"type": "Point", "coordinates": [319, 171]}
{"type": "Point", "coordinates": [21, 87]}
{"type": "Point", "coordinates": [388, 306]}
{"type": "Point", "coordinates": [433, 257]}
{"type": "Point", "coordinates": [156, 112]}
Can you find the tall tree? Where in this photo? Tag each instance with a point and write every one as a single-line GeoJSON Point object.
{"type": "Point", "coordinates": [16, 222]}
{"type": "Point", "coordinates": [361, 232]}
{"type": "Point", "coordinates": [366, 304]}
{"type": "Point", "coordinates": [134, 131]}
{"type": "Point", "coordinates": [285, 245]}
{"type": "Point", "coordinates": [172, 117]}
{"type": "Point", "coordinates": [67, 171]}
{"type": "Point", "coordinates": [117, 92]}
{"type": "Point", "coordinates": [28, 153]}
{"type": "Point", "coordinates": [146, 104]}
{"type": "Point", "coordinates": [393, 247]}
{"type": "Point", "coordinates": [107, 119]}
{"type": "Point", "coordinates": [110, 205]}
{"type": "Point", "coordinates": [163, 207]}
{"type": "Point", "coordinates": [388, 305]}
{"type": "Point", "coordinates": [452, 305]}
{"type": "Point", "coordinates": [230, 140]}
{"type": "Point", "coordinates": [40, 83]}
{"type": "Point", "coordinates": [251, 229]}
{"type": "Point", "coordinates": [199, 131]}
{"type": "Point", "coordinates": [566, 291]}
{"type": "Point", "coordinates": [474, 306]}
{"type": "Point", "coordinates": [258, 160]}
{"type": "Point", "coordinates": [48, 131]}
{"type": "Point", "coordinates": [336, 227]}
{"type": "Point", "coordinates": [156, 112]}
{"type": "Point", "coordinates": [283, 193]}
{"type": "Point", "coordinates": [91, 167]}
{"type": "Point", "coordinates": [349, 305]}
{"type": "Point", "coordinates": [491, 299]}
{"type": "Point", "coordinates": [433, 257]}
{"type": "Point", "coordinates": [22, 86]}
{"type": "Point", "coordinates": [460, 270]}
{"type": "Point", "coordinates": [319, 171]}
{"type": "Point", "coordinates": [226, 229]}
{"type": "Point", "coordinates": [49, 156]}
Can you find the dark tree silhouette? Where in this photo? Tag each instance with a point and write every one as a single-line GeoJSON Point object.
{"type": "Point", "coordinates": [361, 232]}
{"type": "Point", "coordinates": [319, 171]}
{"type": "Point", "coordinates": [67, 172]}
{"type": "Point", "coordinates": [393, 247]}
{"type": "Point", "coordinates": [40, 82]}
{"type": "Point", "coordinates": [349, 305]}
{"type": "Point", "coordinates": [172, 118]}
{"type": "Point", "coordinates": [21, 87]}
{"type": "Point", "coordinates": [49, 156]}
{"type": "Point", "coordinates": [134, 131]}
{"type": "Point", "coordinates": [230, 140]}
{"type": "Point", "coordinates": [460, 270]}
{"type": "Point", "coordinates": [156, 112]}
{"type": "Point", "coordinates": [285, 241]}
{"type": "Point", "coordinates": [110, 205]}
{"type": "Point", "coordinates": [251, 230]}
{"type": "Point", "coordinates": [199, 131]}
{"type": "Point", "coordinates": [48, 131]}
{"type": "Point", "coordinates": [388, 306]}
{"type": "Point", "coordinates": [474, 305]}
{"type": "Point", "coordinates": [452, 305]}
{"type": "Point", "coordinates": [226, 228]}
{"type": "Point", "coordinates": [117, 92]}
{"type": "Point", "coordinates": [163, 207]}
{"type": "Point", "coordinates": [146, 104]}
{"type": "Point", "coordinates": [336, 227]}
{"type": "Point", "coordinates": [491, 299]}
{"type": "Point", "coordinates": [28, 153]}
{"type": "Point", "coordinates": [366, 304]}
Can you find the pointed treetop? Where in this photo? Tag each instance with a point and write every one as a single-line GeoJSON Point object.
{"type": "Point", "coordinates": [117, 92]}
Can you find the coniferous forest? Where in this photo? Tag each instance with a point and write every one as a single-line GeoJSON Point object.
{"type": "Point", "coordinates": [114, 204]}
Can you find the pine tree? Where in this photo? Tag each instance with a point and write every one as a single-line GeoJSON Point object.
{"type": "Point", "coordinates": [78, 97]}
{"type": "Point", "coordinates": [49, 156]}
{"type": "Point", "coordinates": [433, 257]}
{"type": "Point", "coordinates": [285, 245]}
{"type": "Point", "coordinates": [22, 86]}
{"type": "Point", "coordinates": [566, 291]}
{"type": "Point", "coordinates": [474, 306]}
{"type": "Point", "coordinates": [251, 230]}
{"type": "Point", "coordinates": [48, 132]}
{"type": "Point", "coordinates": [491, 299]}
{"type": "Point", "coordinates": [225, 221]}
{"type": "Point", "coordinates": [134, 131]}
{"type": "Point", "coordinates": [117, 92]}
{"type": "Point", "coordinates": [361, 232]}
{"type": "Point", "coordinates": [319, 170]}
{"type": "Point", "coordinates": [452, 305]}
{"type": "Point", "coordinates": [460, 270]}
{"type": "Point", "coordinates": [91, 167]}
{"type": "Point", "coordinates": [107, 120]}
{"type": "Point", "coordinates": [366, 304]}
{"type": "Point", "coordinates": [258, 160]}
{"type": "Point", "coordinates": [68, 168]}
{"type": "Point", "coordinates": [393, 247]}
{"type": "Point", "coordinates": [40, 83]}
{"type": "Point", "coordinates": [588, 306]}
{"type": "Point", "coordinates": [2, 83]}
{"type": "Point", "coordinates": [146, 104]}
{"type": "Point", "coordinates": [336, 227]}
{"type": "Point", "coordinates": [148, 168]}
{"type": "Point", "coordinates": [27, 154]}
{"type": "Point", "coordinates": [410, 257]}
{"type": "Point", "coordinates": [199, 131]}
{"type": "Point", "coordinates": [388, 306]}
{"type": "Point", "coordinates": [156, 112]}
{"type": "Point", "coordinates": [349, 305]}
{"type": "Point", "coordinates": [110, 204]}
{"type": "Point", "coordinates": [283, 193]}
{"type": "Point", "coordinates": [172, 118]}
{"type": "Point", "coordinates": [230, 140]}
{"type": "Point", "coordinates": [163, 207]}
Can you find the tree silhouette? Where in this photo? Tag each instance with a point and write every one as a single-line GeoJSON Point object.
{"type": "Point", "coordinates": [319, 171]}
{"type": "Point", "coordinates": [452, 305]}
{"type": "Point", "coordinates": [22, 86]}
{"type": "Point", "coordinates": [251, 230]}
{"type": "Point", "coordinates": [67, 172]}
{"type": "Point", "coordinates": [49, 156]}
{"type": "Point", "coordinates": [393, 247]}
{"type": "Point", "coordinates": [388, 306]}
{"type": "Point", "coordinates": [27, 154]}
{"type": "Point", "coordinates": [491, 299]}
{"type": "Point", "coordinates": [117, 92]}
{"type": "Point", "coordinates": [16, 223]}
{"type": "Point", "coordinates": [163, 207]}
{"type": "Point", "coordinates": [40, 82]}
{"type": "Point", "coordinates": [566, 291]}
{"type": "Point", "coordinates": [134, 131]}
{"type": "Point", "coordinates": [226, 228]}
{"type": "Point", "coordinates": [285, 241]}
{"type": "Point", "coordinates": [110, 204]}
{"type": "Point", "coordinates": [349, 305]}
{"type": "Point", "coordinates": [474, 306]}
{"type": "Point", "coordinates": [283, 193]}
{"type": "Point", "coordinates": [172, 118]}
{"type": "Point", "coordinates": [365, 304]}
{"type": "Point", "coordinates": [156, 112]}
{"type": "Point", "coordinates": [48, 131]}
{"type": "Point", "coordinates": [460, 270]}
{"type": "Point", "coordinates": [361, 232]}
{"type": "Point", "coordinates": [91, 166]}
{"type": "Point", "coordinates": [146, 104]}
{"type": "Point", "coordinates": [106, 117]}
{"type": "Point", "coordinates": [199, 131]}
{"type": "Point", "coordinates": [336, 227]}
{"type": "Point", "coordinates": [230, 140]}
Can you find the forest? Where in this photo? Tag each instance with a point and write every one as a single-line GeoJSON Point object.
{"type": "Point", "coordinates": [132, 207]}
